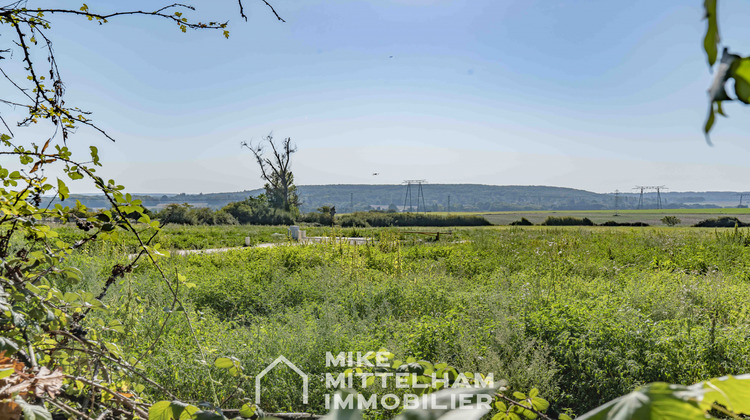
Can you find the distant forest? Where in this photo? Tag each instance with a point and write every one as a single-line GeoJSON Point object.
{"type": "Point", "coordinates": [445, 197]}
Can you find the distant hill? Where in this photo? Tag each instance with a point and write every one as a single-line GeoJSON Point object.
{"type": "Point", "coordinates": [442, 197]}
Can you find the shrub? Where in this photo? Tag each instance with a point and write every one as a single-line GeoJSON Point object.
{"type": "Point", "coordinates": [354, 221]}
{"type": "Point", "coordinates": [671, 220]}
{"type": "Point", "coordinates": [729, 222]}
{"type": "Point", "coordinates": [523, 222]}
{"type": "Point", "coordinates": [257, 211]}
{"type": "Point", "coordinates": [324, 216]}
{"type": "Point", "coordinates": [613, 223]}
{"type": "Point", "coordinates": [223, 218]}
{"type": "Point", "coordinates": [181, 214]}
{"type": "Point", "coordinates": [567, 221]}
{"type": "Point", "coordinates": [388, 219]}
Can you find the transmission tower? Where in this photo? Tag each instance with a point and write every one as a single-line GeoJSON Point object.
{"type": "Point", "coordinates": [742, 195]}
{"type": "Point", "coordinates": [659, 189]}
{"type": "Point", "coordinates": [420, 195]}
{"type": "Point", "coordinates": [640, 197]}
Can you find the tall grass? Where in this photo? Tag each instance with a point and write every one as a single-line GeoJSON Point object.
{"type": "Point", "coordinates": [583, 314]}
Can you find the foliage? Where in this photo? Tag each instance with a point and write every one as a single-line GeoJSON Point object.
{"type": "Point", "coordinates": [325, 216]}
{"type": "Point", "coordinates": [523, 222]}
{"type": "Point", "coordinates": [567, 221]}
{"type": "Point", "coordinates": [731, 66]}
{"type": "Point", "coordinates": [58, 353]}
{"type": "Point", "coordinates": [258, 211]}
{"type": "Point", "coordinates": [584, 315]}
{"type": "Point", "coordinates": [185, 214]}
{"type": "Point", "coordinates": [671, 220]}
{"type": "Point", "coordinates": [729, 222]}
{"type": "Point", "coordinates": [613, 223]}
{"type": "Point", "coordinates": [386, 219]}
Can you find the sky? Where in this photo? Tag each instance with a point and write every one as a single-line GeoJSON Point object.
{"type": "Point", "coordinates": [591, 94]}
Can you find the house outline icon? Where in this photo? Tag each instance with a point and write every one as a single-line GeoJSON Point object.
{"type": "Point", "coordinates": [281, 359]}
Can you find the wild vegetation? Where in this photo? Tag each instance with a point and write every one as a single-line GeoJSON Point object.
{"type": "Point", "coordinates": [582, 314]}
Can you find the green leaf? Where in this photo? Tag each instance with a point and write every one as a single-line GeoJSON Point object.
{"type": "Point", "coordinates": [207, 415]}
{"type": "Point", "coordinates": [33, 412]}
{"type": "Point", "coordinates": [95, 155]}
{"type": "Point", "coordinates": [166, 410]}
{"type": "Point", "coordinates": [740, 71]}
{"type": "Point", "coordinates": [189, 413]}
{"type": "Point", "coordinates": [658, 400]}
{"type": "Point", "coordinates": [733, 392]}
{"type": "Point", "coordinates": [539, 404]}
{"type": "Point", "coordinates": [720, 109]}
{"type": "Point", "coordinates": [224, 363]}
{"type": "Point", "coordinates": [248, 410]}
{"type": "Point", "coordinates": [62, 189]}
{"type": "Point", "coordinates": [711, 40]}
{"type": "Point", "coordinates": [4, 373]}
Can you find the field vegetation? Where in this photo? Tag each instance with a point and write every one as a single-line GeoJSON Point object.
{"type": "Point", "coordinates": [583, 314]}
{"type": "Point", "coordinates": [652, 217]}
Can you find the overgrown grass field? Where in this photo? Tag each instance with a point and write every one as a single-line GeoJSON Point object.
{"type": "Point", "coordinates": [584, 314]}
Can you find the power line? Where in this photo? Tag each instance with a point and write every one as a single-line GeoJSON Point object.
{"type": "Point", "coordinates": [658, 189]}
{"type": "Point", "coordinates": [420, 194]}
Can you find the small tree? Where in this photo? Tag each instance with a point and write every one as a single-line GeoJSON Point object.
{"type": "Point", "coordinates": [671, 220]}
{"type": "Point", "coordinates": [276, 171]}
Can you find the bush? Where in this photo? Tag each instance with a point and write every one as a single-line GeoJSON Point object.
{"type": "Point", "coordinates": [223, 218]}
{"type": "Point", "coordinates": [257, 211]}
{"type": "Point", "coordinates": [523, 222]}
{"type": "Point", "coordinates": [728, 222]}
{"type": "Point", "coordinates": [324, 216]}
{"type": "Point", "coordinates": [354, 221]}
{"type": "Point", "coordinates": [567, 221]}
{"type": "Point", "coordinates": [389, 219]}
{"type": "Point", "coordinates": [181, 214]}
{"type": "Point", "coordinates": [671, 220]}
{"type": "Point", "coordinates": [613, 223]}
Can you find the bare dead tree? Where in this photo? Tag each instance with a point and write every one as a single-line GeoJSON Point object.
{"type": "Point", "coordinates": [276, 171]}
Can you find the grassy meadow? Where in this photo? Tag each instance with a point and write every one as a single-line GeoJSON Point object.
{"type": "Point", "coordinates": [583, 314]}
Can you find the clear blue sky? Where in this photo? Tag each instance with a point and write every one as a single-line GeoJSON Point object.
{"type": "Point", "coordinates": [591, 94]}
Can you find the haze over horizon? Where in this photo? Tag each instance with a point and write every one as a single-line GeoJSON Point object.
{"type": "Point", "coordinates": [593, 95]}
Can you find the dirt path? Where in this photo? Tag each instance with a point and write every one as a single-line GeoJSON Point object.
{"type": "Point", "coordinates": [305, 241]}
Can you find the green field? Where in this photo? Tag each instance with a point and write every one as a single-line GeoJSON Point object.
{"type": "Point", "coordinates": [652, 217]}
{"type": "Point", "coordinates": [584, 314]}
